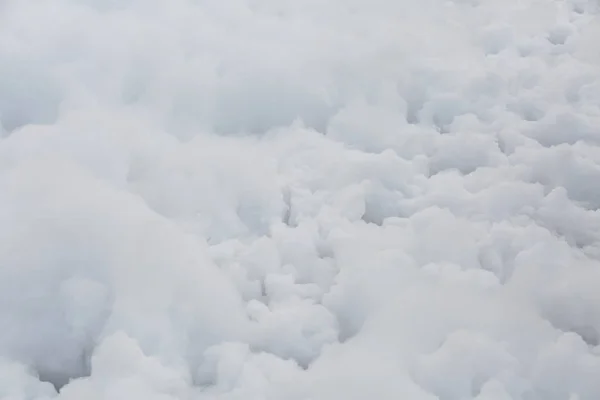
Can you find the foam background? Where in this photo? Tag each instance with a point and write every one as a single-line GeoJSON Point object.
{"type": "Point", "coordinates": [299, 200]}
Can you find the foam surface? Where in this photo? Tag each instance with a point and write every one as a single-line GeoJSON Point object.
{"type": "Point", "coordinates": [299, 200]}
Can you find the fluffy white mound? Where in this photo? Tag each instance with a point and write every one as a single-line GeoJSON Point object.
{"type": "Point", "coordinates": [299, 199]}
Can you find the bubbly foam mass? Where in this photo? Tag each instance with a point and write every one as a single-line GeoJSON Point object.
{"type": "Point", "coordinates": [299, 200]}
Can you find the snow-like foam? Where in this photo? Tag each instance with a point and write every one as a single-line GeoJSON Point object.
{"type": "Point", "coordinates": [261, 199]}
